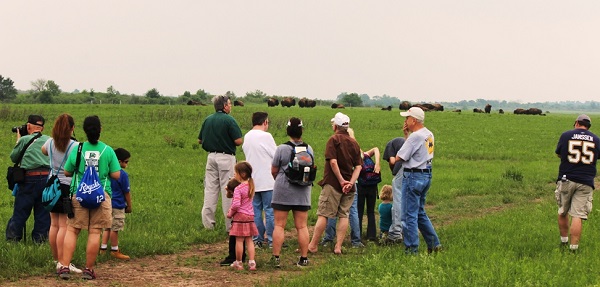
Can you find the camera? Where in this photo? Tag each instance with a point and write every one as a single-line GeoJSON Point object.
{"type": "Point", "coordinates": [22, 130]}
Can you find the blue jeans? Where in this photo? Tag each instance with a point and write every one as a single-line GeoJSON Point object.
{"type": "Point", "coordinates": [27, 198]}
{"type": "Point", "coordinates": [260, 202]}
{"type": "Point", "coordinates": [395, 232]}
{"type": "Point", "coordinates": [414, 189]}
{"type": "Point", "coordinates": [354, 227]}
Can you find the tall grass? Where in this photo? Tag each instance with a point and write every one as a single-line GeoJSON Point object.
{"type": "Point", "coordinates": [490, 198]}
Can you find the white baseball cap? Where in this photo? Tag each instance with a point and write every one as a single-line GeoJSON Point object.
{"type": "Point", "coordinates": [341, 120]}
{"type": "Point", "coordinates": [414, 112]}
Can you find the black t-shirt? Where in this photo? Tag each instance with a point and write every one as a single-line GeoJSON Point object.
{"type": "Point", "coordinates": [578, 150]}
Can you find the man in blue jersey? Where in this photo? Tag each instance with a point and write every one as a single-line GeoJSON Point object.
{"type": "Point", "coordinates": [578, 150]}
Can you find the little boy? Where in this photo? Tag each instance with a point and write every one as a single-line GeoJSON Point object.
{"type": "Point", "coordinates": [385, 211]}
{"type": "Point", "coordinates": [121, 204]}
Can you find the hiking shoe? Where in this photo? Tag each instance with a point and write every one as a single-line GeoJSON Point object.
{"type": "Point", "coordinates": [302, 262]}
{"type": "Point", "coordinates": [64, 273]}
{"type": "Point", "coordinates": [237, 265]}
{"type": "Point", "coordinates": [258, 244]}
{"type": "Point", "coordinates": [102, 251]}
{"type": "Point", "coordinates": [276, 261]}
{"type": "Point", "coordinates": [252, 265]}
{"type": "Point", "coordinates": [117, 254]}
{"type": "Point", "coordinates": [227, 261]}
{"type": "Point", "coordinates": [358, 245]}
{"type": "Point", "coordinates": [88, 274]}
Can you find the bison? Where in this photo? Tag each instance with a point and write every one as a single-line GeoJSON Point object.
{"type": "Point", "coordinates": [288, 102]}
{"type": "Point", "coordinates": [238, 103]}
{"type": "Point", "coordinates": [405, 105]}
{"type": "Point", "coordinates": [530, 111]}
{"type": "Point", "coordinates": [457, 110]}
{"type": "Point", "coordinates": [195, 103]}
{"type": "Point", "coordinates": [476, 110]}
{"type": "Point", "coordinates": [337, 106]}
{"type": "Point", "coordinates": [272, 102]}
{"type": "Point", "coordinates": [306, 103]}
{"type": "Point", "coordinates": [389, 108]}
{"type": "Point", "coordinates": [501, 111]}
{"type": "Point", "coordinates": [429, 107]}
{"type": "Point", "coordinates": [488, 108]}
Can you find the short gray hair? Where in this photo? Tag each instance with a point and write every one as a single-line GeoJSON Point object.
{"type": "Point", "coordinates": [219, 102]}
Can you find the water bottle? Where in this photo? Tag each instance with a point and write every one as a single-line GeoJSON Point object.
{"type": "Point", "coordinates": [295, 163]}
{"type": "Point", "coordinates": [564, 178]}
{"type": "Point", "coordinates": [306, 173]}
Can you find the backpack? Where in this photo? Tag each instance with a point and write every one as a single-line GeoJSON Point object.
{"type": "Point", "coordinates": [368, 176]}
{"type": "Point", "coordinates": [52, 191]}
{"type": "Point", "coordinates": [90, 192]}
{"type": "Point", "coordinates": [301, 170]}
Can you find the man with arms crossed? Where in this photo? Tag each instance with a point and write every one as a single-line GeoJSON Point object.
{"type": "Point", "coordinates": [416, 156]}
{"type": "Point", "coordinates": [259, 148]}
{"type": "Point", "coordinates": [578, 150]}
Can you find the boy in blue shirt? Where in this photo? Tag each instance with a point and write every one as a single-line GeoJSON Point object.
{"type": "Point", "coordinates": [121, 204]}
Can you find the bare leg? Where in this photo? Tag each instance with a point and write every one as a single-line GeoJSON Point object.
{"type": "Point", "coordinates": [53, 235]}
{"type": "Point", "coordinates": [69, 245]}
{"type": "Point", "coordinates": [301, 222]}
{"type": "Point", "coordinates": [239, 247]}
{"type": "Point", "coordinates": [563, 225]}
{"type": "Point", "coordinates": [60, 235]}
{"type": "Point", "coordinates": [341, 234]}
{"type": "Point", "coordinates": [576, 227]}
{"type": "Point", "coordinates": [250, 247]}
{"type": "Point", "coordinates": [278, 230]}
{"type": "Point", "coordinates": [313, 246]}
{"type": "Point", "coordinates": [106, 236]}
{"type": "Point", "coordinates": [92, 248]}
{"type": "Point", "coordinates": [114, 238]}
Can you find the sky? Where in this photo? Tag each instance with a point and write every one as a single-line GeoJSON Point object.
{"type": "Point", "coordinates": [430, 51]}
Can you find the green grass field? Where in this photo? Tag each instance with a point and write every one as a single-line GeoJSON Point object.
{"type": "Point", "coordinates": [491, 198]}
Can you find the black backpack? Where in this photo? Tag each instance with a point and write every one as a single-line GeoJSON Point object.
{"type": "Point", "coordinates": [301, 170]}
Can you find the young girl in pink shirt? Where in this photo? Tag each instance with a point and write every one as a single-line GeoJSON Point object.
{"type": "Point", "coordinates": [242, 213]}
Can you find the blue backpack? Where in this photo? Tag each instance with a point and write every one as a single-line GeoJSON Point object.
{"type": "Point", "coordinates": [52, 191]}
{"type": "Point", "coordinates": [90, 192]}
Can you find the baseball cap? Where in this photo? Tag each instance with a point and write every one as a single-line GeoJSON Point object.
{"type": "Point", "coordinates": [34, 119]}
{"type": "Point", "coordinates": [584, 118]}
{"type": "Point", "coordinates": [341, 120]}
{"type": "Point", "coordinates": [414, 112]}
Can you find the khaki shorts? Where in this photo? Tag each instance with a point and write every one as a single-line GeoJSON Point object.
{"type": "Point", "coordinates": [333, 203]}
{"type": "Point", "coordinates": [118, 219]}
{"type": "Point", "coordinates": [574, 198]}
{"type": "Point", "coordinates": [84, 218]}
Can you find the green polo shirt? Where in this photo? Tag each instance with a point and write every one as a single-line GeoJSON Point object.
{"type": "Point", "coordinates": [33, 157]}
{"type": "Point", "coordinates": [218, 133]}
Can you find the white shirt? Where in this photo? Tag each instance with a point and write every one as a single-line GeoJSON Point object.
{"type": "Point", "coordinates": [259, 148]}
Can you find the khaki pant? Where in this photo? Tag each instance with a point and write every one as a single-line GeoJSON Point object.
{"type": "Point", "coordinates": [219, 169]}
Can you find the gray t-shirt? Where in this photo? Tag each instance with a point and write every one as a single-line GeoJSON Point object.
{"type": "Point", "coordinates": [417, 151]}
{"type": "Point", "coordinates": [283, 191]}
{"type": "Point", "coordinates": [391, 149]}
{"type": "Point", "coordinates": [57, 159]}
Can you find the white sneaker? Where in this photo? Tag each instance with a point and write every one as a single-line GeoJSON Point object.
{"type": "Point", "coordinates": [74, 269]}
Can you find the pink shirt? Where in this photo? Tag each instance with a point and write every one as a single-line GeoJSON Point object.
{"type": "Point", "coordinates": [241, 202]}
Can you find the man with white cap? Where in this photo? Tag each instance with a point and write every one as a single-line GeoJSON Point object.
{"type": "Point", "coordinates": [578, 150]}
{"type": "Point", "coordinates": [342, 166]}
{"type": "Point", "coordinates": [416, 156]}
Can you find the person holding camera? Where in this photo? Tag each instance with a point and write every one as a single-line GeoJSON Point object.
{"type": "Point", "coordinates": [29, 194]}
{"type": "Point", "coordinates": [59, 146]}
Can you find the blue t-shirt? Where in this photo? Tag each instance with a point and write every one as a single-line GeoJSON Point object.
{"type": "Point", "coordinates": [385, 216]}
{"type": "Point", "coordinates": [578, 150]}
{"type": "Point", "coordinates": [119, 188]}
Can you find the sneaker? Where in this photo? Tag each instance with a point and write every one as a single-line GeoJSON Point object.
{"type": "Point", "coordinates": [258, 244]}
{"type": "Point", "coordinates": [237, 265]}
{"type": "Point", "coordinates": [64, 273]}
{"type": "Point", "coordinates": [102, 251]}
{"type": "Point", "coordinates": [117, 254]}
{"type": "Point", "coordinates": [358, 245]}
{"type": "Point", "coordinates": [276, 262]}
{"type": "Point", "coordinates": [252, 265]}
{"type": "Point", "coordinates": [325, 243]}
{"type": "Point", "coordinates": [74, 269]}
{"type": "Point", "coordinates": [58, 266]}
{"type": "Point", "coordinates": [227, 261]}
{"type": "Point", "coordinates": [88, 274]}
{"type": "Point", "coordinates": [302, 262]}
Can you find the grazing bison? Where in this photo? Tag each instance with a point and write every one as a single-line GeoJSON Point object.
{"type": "Point", "coordinates": [457, 111]}
{"type": "Point", "coordinates": [389, 108]}
{"type": "Point", "coordinates": [272, 102]}
{"type": "Point", "coordinates": [405, 105]}
{"type": "Point", "coordinates": [438, 107]}
{"type": "Point", "coordinates": [488, 108]}
{"type": "Point", "coordinates": [195, 103]}
{"type": "Point", "coordinates": [429, 107]}
{"type": "Point", "coordinates": [288, 102]}
{"type": "Point", "coordinates": [306, 103]}
{"type": "Point", "coordinates": [337, 106]}
{"type": "Point", "coordinates": [501, 111]}
{"type": "Point", "coordinates": [534, 111]}
{"type": "Point", "coordinates": [238, 103]}
{"type": "Point", "coordinates": [519, 111]}
{"type": "Point", "coordinates": [476, 110]}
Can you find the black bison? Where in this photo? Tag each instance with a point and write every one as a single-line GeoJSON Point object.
{"type": "Point", "coordinates": [488, 108]}
{"type": "Point", "coordinates": [501, 111]}
{"type": "Point", "coordinates": [530, 111]}
{"type": "Point", "coordinates": [337, 106]}
{"type": "Point", "coordinates": [272, 102]}
{"type": "Point", "coordinates": [405, 105]}
{"type": "Point", "coordinates": [238, 103]}
{"type": "Point", "coordinates": [430, 107]}
{"type": "Point", "coordinates": [195, 103]}
{"type": "Point", "coordinates": [288, 102]}
{"type": "Point", "coordinates": [457, 111]}
{"type": "Point", "coordinates": [306, 103]}
{"type": "Point", "coordinates": [389, 108]}
{"type": "Point", "coordinates": [476, 110]}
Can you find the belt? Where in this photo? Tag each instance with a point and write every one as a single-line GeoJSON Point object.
{"type": "Point", "coordinates": [222, 152]}
{"type": "Point", "coordinates": [36, 173]}
{"type": "Point", "coordinates": [427, 170]}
